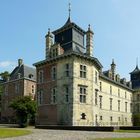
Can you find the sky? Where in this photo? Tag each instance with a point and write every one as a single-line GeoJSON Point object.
{"type": "Point", "coordinates": [115, 23]}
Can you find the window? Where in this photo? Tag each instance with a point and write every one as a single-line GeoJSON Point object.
{"type": "Point", "coordinates": [67, 67]}
{"type": "Point", "coordinates": [125, 95]}
{"type": "Point", "coordinates": [33, 89]}
{"type": "Point", "coordinates": [138, 97]}
{"type": "Point", "coordinates": [118, 105]}
{"type": "Point", "coordinates": [40, 97]}
{"type": "Point", "coordinates": [111, 103]}
{"type": "Point", "coordinates": [125, 106]}
{"type": "Point", "coordinates": [83, 71]}
{"type": "Point", "coordinates": [101, 118]}
{"type": "Point", "coordinates": [119, 119]}
{"type": "Point", "coordinates": [118, 92]}
{"type": "Point", "coordinates": [30, 75]}
{"type": "Point", "coordinates": [111, 119]}
{"type": "Point", "coordinates": [96, 119]}
{"type": "Point", "coordinates": [100, 86]}
{"type": "Point", "coordinates": [96, 77]}
{"type": "Point", "coordinates": [125, 120]}
{"type": "Point", "coordinates": [131, 107]}
{"type": "Point", "coordinates": [110, 89]}
{"type": "Point", "coordinates": [96, 96]}
{"type": "Point", "coordinates": [100, 100]}
{"type": "Point", "coordinates": [54, 73]}
{"type": "Point", "coordinates": [83, 116]}
{"type": "Point", "coordinates": [67, 94]}
{"type": "Point", "coordinates": [53, 95]}
{"type": "Point", "coordinates": [82, 94]}
{"type": "Point", "coordinates": [40, 76]}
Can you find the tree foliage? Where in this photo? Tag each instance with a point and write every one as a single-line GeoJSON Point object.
{"type": "Point", "coordinates": [25, 109]}
{"type": "Point", "coordinates": [4, 75]}
{"type": "Point", "coordinates": [136, 119]}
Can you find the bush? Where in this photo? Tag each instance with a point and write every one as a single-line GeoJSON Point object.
{"type": "Point", "coordinates": [25, 109]}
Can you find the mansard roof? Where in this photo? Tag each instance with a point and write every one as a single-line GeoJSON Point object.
{"type": "Point", "coordinates": [136, 70]}
{"type": "Point", "coordinates": [24, 72]}
{"type": "Point", "coordinates": [103, 76]}
{"type": "Point", "coordinates": [69, 54]}
{"type": "Point", "coordinates": [68, 25]}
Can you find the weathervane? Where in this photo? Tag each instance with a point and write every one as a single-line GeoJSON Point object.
{"type": "Point", "coordinates": [69, 9]}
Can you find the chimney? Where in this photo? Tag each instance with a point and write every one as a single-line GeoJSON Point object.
{"type": "Point", "coordinates": [49, 43]}
{"type": "Point", "coordinates": [89, 42]}
{"type": "Point", "coordinates": [20, 62]}
{"type": "Point", "coordinates": [113, 69]}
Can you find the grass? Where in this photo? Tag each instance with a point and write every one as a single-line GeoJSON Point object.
{"type": "Point", "coordinates": [9, 132]}
{"type": "Point", "coordinates": [117, 139]}
{"type": "Point", "coordinates": [128, 131]}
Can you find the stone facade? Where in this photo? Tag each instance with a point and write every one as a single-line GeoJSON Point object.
{"type": "Point", "coordinates": [73, 90]}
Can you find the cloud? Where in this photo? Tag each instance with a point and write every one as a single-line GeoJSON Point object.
{"type": "Point", "coordinates": [6, 64]}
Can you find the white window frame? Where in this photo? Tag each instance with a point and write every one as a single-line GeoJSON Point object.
{"type": "Point", "coordinates": [67, 69]}
{"type": "Point", "coordinates": [54, 95]}
{"type": "Point", "coordinates": [83, 94]}
{"type": "Point", "coordinates": [54, 73]}
{"type": "Point", "coordinates": [40, 76]}
{"type": "Point", "coordinates": [83, 71]}
{"type": "Point", "coordinates": [40, 97]}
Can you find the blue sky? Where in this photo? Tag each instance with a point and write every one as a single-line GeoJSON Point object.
{"type": "Point", "coordinates": [116, 24]}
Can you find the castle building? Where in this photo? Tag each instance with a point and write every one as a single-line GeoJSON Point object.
{"type": "Point", "coordinates": [135, 79]}
{"type": "Point", "coordinates": [73, 90]}
{"type": "Point", "coordinates": [21, 82]}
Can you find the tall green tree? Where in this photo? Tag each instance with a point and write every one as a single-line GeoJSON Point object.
{"type": "Point", "coordinates": [4, 75]}
{"type": "Point", "coordinates": [25, 109]}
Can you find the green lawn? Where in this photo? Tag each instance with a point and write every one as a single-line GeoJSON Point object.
{"type": "Point", "coordinates": [9, 132]}
{"type": "Point", "coordinates": [117, 139]}
{"type": "Point", "coordinates": [128, 131]}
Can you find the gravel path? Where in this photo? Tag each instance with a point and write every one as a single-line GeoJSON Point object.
{"type": "Point", "coordinates": [45, 134]}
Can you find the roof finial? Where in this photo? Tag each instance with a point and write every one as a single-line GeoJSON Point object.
{"type": "Point", "coordinates": [113, 61]}
{"type": "Point", "coordinates": [69, 9]}
{"type": "Point", "coordinates": [137, 62]}
{"type": "Point", "coordinates": [89, 27]}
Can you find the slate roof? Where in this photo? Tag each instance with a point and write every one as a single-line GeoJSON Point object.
{"type": "Point", "coordinates": [67, 25]}
{"type": "Point", "coordinates": [135, 71]}
{"type": "Point", "coordinates": [69, 54]}
{"type": "Point", "coordinates": [115, 82]}
{"type": "Point", "coordinates": [23, 71]}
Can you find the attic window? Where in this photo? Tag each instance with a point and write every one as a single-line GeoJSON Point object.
{"type": "Point", "coordinates": [30, 75]}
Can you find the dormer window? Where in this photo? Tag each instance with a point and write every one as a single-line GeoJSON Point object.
{"type": "Point", "coordinates": [30, 75]}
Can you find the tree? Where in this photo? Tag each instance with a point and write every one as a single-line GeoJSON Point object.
{"type": "Point", "coordinates": [4, 75]}
{"type": "Point", "coordinates": [25, 109]}
{"type": "Point", "coordinates": [136, 119]}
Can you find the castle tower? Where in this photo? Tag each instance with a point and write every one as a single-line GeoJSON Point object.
{"type": "Point", "coordinates": [134, 76]}
{"type": "Point", "coordinates": [89, 42]}
{"type": "Point", "coordinates": [49, 43]}
{"type": "Point", "coordinates": [113, 69]}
